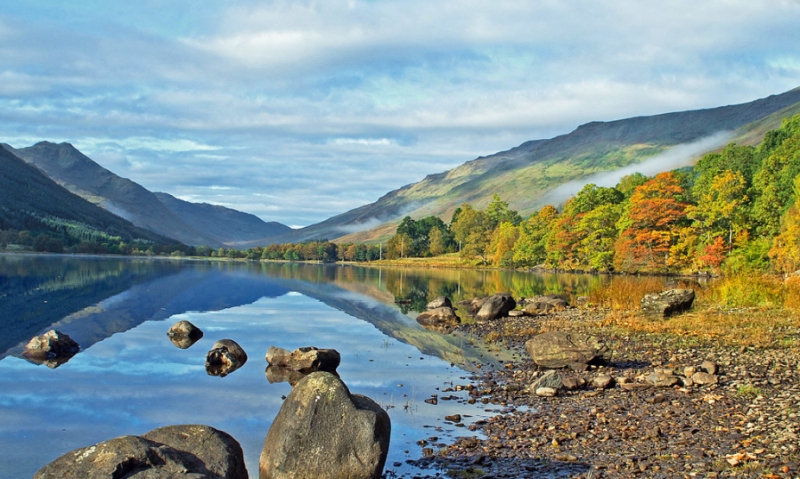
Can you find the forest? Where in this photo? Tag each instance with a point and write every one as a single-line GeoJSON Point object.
{"type": "Point", "coordinates": [735, 211]}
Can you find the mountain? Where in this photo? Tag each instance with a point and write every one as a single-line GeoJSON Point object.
{"type": "Point", "coordinates": [221, 224]}
{"type": "Point", "coordinates": [29, 200]}
{"type": "Point", "coordinates": [186, 222]}
{"type": "Point", "coordinates": [524, 175]}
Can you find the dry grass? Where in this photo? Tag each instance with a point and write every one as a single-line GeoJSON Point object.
{"type": "Point", "coordinates": [757, 311]}
{"type": "Point", "coordinates": [747, 327]}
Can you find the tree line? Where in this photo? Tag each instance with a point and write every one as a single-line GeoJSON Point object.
{"type": "Point", "coordinates": [735, 209]}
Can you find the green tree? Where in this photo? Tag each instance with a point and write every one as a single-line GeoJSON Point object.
{"type": "Point", "coordinates": [530, 249]}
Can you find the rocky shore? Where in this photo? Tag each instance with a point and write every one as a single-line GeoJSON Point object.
{"type": "Point", "coordinates": [738, 417]}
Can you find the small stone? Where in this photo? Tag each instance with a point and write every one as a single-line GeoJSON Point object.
{"type": "Point", "coordinates": [702, 378]}
{"type": "Point", "coordinates": [709, 366]}
{"type": "Point", "coordinates": [546, 392]}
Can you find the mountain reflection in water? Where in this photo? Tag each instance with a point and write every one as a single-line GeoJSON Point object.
{"type": "Point", "coordinates": [129, 378]}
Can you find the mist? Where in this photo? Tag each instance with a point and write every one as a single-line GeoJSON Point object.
{"type": "Point", "coordinates": [676, 157]}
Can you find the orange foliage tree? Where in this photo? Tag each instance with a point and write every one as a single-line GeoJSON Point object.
{"type": "Point", "coordinates": [650, 226]}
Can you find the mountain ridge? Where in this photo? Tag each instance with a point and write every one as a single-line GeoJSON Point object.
{"type": "Point", "coordinates": [523, 174]}
{"type": "Point", "coordinates": [189, 223]}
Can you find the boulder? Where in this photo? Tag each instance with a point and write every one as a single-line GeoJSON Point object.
{"type": "Point", "coordinates": [439, 302]}
{"type": "Point", "coordinates": [443, 314]}
{"type": "Point", "coordinates": [183, 334]}
{"type": "Point", "coordinates": [51, 344]}
{"type": "Point", "coordinates": [305, 360]}
{"type": "Point", "coordinates": [192, 451]}
{"type": "Point", "coordinates": [496, 306]}
{"type": "Point", "coordinates": [225, 357]}
{"type": "Point", "coordinates": [545, 304]}
{"type": "Point", "coordinates": [52, 349]}
{"type": "Point", "coordinates": [474, 305]}
{"type": "Point", "coordinates": [668, 302]}
{"type": "Point", "coordinates": [323, 431]}
{"type": "Point", "coordinates": [557, 349]}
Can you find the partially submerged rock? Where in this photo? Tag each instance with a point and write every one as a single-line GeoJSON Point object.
{"type": "Point", "coordinates": [442, 320]}
{"type": "Point", "coordinates": [305, 360]}
{"type": "Point", "coordinates": [667, 303]}
{"type": "Point", "coordinates": [439, 302]}
{"type": "Point", "coordinates": [323, 431]}
{"type": "Point", "coordinates": [52, 349]}
{"type": "Point", "coordinates": [556, 349]}
{"type": "Point", "coordinates": [496, 306]}
{"type": "Point", "coordinates": [184, 334]}
{"type": "Point", "coordinates": [225, 357]}
{"type": "Point", "coordinates": [191, 451]}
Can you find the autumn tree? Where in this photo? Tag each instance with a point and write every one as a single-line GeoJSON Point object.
{"type": "Point", "coordinates": [502, 245]}
{"type": "Point", "coordinates": [720, 209]}
{"type": "Point", "coordinates": [649, 226]}
{"type": "Point", "coordinates": [785, 251]}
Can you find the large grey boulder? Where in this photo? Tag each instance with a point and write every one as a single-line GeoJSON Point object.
{"type": "Point", "coordinates": [323, 431]}
{"type": "Point", "coordinates": [667, 303]}
{"type": "Point", "coordinates": [191, 451]}
{"type": "Point", "coordinates": [557, 349]}
{"type": "Point", "coordinates": [225, 357]}
{"type": "Point", "coordinates": [304, 360]}
{"type": "Point", "coordinates": [496, 306]}
{"type": "Point", "coordinates": [52, 349]}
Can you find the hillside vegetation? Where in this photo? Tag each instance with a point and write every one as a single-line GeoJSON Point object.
{"type": "Point", "coordinates": [524, 175]}
{"type": "Point", "coordinates": [736, 210]}
{"type": "Point", "coordinates": [37, 213]}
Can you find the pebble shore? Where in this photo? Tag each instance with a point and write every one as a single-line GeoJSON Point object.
{"type": "Point", "coordinates": [669, 411]}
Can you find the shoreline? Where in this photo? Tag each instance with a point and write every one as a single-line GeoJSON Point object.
{"type": "Point", "coordinates": [745, 425]}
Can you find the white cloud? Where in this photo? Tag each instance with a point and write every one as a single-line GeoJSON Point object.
{"type": "Point", "coordinates": [328, 105]}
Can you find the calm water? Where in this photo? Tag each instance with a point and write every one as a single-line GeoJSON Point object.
{"type": "Point", "coordinates": [129, 378]}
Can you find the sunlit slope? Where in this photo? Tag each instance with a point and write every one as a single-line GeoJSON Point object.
{"type": "Point", "coordinates": [525, 174]}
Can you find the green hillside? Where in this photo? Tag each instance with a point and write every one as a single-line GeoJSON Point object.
{"type": "Point", "coordinates": [524, 175]}
{"type": "Point", "coordinates": [31, 202]}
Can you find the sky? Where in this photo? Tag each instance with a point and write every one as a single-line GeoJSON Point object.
{"type": "Point", "coordinates": [296, 111]}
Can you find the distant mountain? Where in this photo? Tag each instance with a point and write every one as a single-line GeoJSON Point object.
{"type": "Point", "coordinates": [29, 200]}
{"type": "Point", "coordinates": [224, 225]}
{"type": "Point", "coordinates": [524, 175]}
{"type": "Point", "coordinates": [162, 213]}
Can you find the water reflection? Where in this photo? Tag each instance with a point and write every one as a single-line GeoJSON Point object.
{"type": "Point", "coordinates": [128, 380]}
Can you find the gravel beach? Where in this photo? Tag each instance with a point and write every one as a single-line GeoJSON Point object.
{"type": "Point", "coordinates": [663, 407]}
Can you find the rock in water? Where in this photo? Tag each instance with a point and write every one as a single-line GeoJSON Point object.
{"type": "Point", "coordinates": [183, 334]}
{"type": "Point", "coordinates": [305, 360]}
{"type": "Point", "coordinates": [667, 303]}
{"type": "Point", "coordinates": [193, 451]}
{"type": "Point", "coordinates": [324, 432]}
{"type": "Point", "coordinates": [438, 318]}
{"type": "Point", "coordinates": [51, 344]}
{"type": "Point", "coordinates": [225, 357]}
{"type": "Point", "coordinates": [52, 349]}
{"type": "Point", "coordinates": [497, 306]}
{"type": "Point", "coordinates": [439, 302]}
{"type": "Point", "coordinates": [559, 350]}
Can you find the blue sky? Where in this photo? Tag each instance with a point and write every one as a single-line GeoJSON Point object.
{"type": "Point", "coordinates": [299, 110]}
